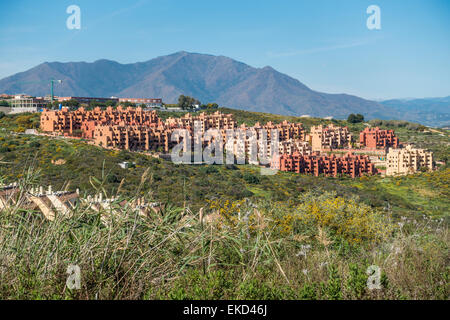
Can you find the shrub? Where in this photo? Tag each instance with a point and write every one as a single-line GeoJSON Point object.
{"type": "Point", "coordinates": [356, 222]}
{"type": "Point", "coordinates": [333, 288]}
{"type": "Point", "coordinates": [35, 144]}
{"type": "Point", "coordinates": [209, 169]}
{"type": "Point", "coordinates": [357, 281]}
{"type": "Point", "coordinates": [355, 118]}
{"type": "Point", "coordinates": [251, 178]}
{"type": "Point", "coordinates": [112, 178]}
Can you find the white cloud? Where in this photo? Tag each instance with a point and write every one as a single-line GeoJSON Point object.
{"type": "Point", "coordinates": [356, 43]}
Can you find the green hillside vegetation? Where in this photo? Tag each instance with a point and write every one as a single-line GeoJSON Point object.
{"type": "Point", "coordinates": [286, 236]}
{"type": "Point", "coordinates": [189, 185]}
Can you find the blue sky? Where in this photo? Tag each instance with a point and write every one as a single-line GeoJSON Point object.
{"type": "Point", "coordinates": [324, 44]}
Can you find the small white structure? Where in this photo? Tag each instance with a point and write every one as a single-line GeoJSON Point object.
{"type": "Point", "coordinates": [124, 165]}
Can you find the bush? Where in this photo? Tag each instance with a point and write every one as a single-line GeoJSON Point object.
{"type": "Point", "coordinates": [347, 218]}
{"type": "Point", "coordinates": [112, 178]}
{"type": "Point", "coordinates": [35, 144]}
{"type": "Point", "coordinates": [209, 169]}
{"type": "Point", "coordinates": [4, 149]}
{"type": "Point", "coordinates": [251, 178]}
{"type": "Point", "coordinates": [355, 118]}
{"type": "Point", "coordinates": [357, 281]}
{"type": "Point", "coordinates": [333, 288]}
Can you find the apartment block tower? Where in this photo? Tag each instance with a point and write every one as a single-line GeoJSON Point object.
{"type": "Point", "coordinates": [82, 122]}
{"type": "Point", "coordinates": [408, 160]}
{"type": "Point", "coordinates": [330, 137]}
{"type": "Point", "coordinates": [375, 138]}
{"type": "Point", "coordinates": [316, 164]}
{"type": "Point", "coordinates": [205, 121]}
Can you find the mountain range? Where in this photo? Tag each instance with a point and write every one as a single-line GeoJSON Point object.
{"type": "Point", "coordinates": [428, 111]}
{"type": "Point", "coordinates": [208, 78]}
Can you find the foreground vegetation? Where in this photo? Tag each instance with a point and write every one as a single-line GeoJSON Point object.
{"type": "Point", "coordinates": [318, 249]}
{"type": "Point", "coordinates": [226, 232]}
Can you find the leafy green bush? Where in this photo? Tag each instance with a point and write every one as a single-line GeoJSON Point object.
{"type": "Point", "coordinates": [355, 118]}
{"type": "Point", "coordinates": [251, 178]}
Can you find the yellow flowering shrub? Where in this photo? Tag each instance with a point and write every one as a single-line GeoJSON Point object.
{"type": "Point", "coordinates": [348, 218]}
{"type": "Point", "coordinates": [238, 214]}
{"type": "Point", "coordinates": [228, 211]}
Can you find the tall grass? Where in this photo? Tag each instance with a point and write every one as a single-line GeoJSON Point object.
{"type": "Point", "coordinates": [241, 253]}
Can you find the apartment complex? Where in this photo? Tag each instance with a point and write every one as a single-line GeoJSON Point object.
{"type": "Point", "coordinates": [289, 147]}
{"type": "Point", "coordinates": [286, 130]}
{"type": "Point", "coordinates": [408, 160]}
{"type": "Point", "coordinates": [204, 121]}
{"type": "Point", "coordinates": [375, 138]}
{"type": "Point", "coordinates": [330, 137]}
{"type": "Point", "coordinates": [82, 122]}
{"type": "Point", "coordinates": [23, 103]}
{"type": "Point", "coordinates": [133, 137]}
{"type": "Point", "coordinates": [316, 164]}
{"type": "Point", "coordinates": [142, 130]}
{"type": "Point", "coordinates": [138, 129]}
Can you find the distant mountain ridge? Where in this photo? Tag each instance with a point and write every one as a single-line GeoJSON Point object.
{"type": "Point", "coordinates": [428, 111]}
{"type": "Point", "coordinates": [206, 77]}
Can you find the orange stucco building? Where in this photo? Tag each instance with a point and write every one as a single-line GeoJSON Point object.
{"type": "Point", "coordinates": [316, 164]}
{"type": "Point", "coordinates": [375, 138]}
{"type": "Point", "coordinates": [82, 122]}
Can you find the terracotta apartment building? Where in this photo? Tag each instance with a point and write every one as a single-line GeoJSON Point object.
{"type": "Point", "coordinates": [375, 138]}
{"type": "Point", "coordinates": [133, 137]}
{"type": "Point", "coordinates": [82, 122]}
{"type": "Point", "coordinates": [205, 121]}
{"type": "Point", "coordinates": [316, 164]}
{"type": "Point", "coordinates": [330, 137]}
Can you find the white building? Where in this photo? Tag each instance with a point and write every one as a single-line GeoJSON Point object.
{"type": "Point", "coordinates": [408, 160]}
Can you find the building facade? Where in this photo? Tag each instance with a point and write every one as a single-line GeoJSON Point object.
{"type": "Point", "coordinates": [316, 164]}
{"type": "Point", "coordinates": [408, 160]}
{"type": "Point", "coordinates": [81, 122]}
{"type": "Point", "coordinates": [23, 103]}
{"type": "Point", "coordinates": [375, 138]}
{"type": "Point", "coordinates": [330, 137]}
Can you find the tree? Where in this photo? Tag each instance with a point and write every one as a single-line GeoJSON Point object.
{"type": "Point", "coordinates": [2, 114]}
{"type": "Point", "coordinates": [355, 118]}
{"type": "Point", "coordinates": [127, 104]}
{"type": "Point", "coordinates": [212, 106]}
{"type": "Point", "coordinates": [72, 104]}
{"type": "Point", "coordinates": [110, 103]}
{"type": "Point", "coordinates": [53, 105]}
{"type": "Point", "coordinates": [93, 103]}
{"type": "Point", "coordinates": [186, 102]}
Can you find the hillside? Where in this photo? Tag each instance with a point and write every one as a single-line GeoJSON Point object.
{"type": "Point", "coordinates": [208, 78]}
{"type": "Point", "coordinates": [305, 237]}
{"type": "Point", "coordinates": [206, 182]}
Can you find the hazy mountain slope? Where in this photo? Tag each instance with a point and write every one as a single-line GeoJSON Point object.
{"type": "Point", "coordinates": [208, 78]}
{"type": "Point", "coordinates": [428, 111]}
